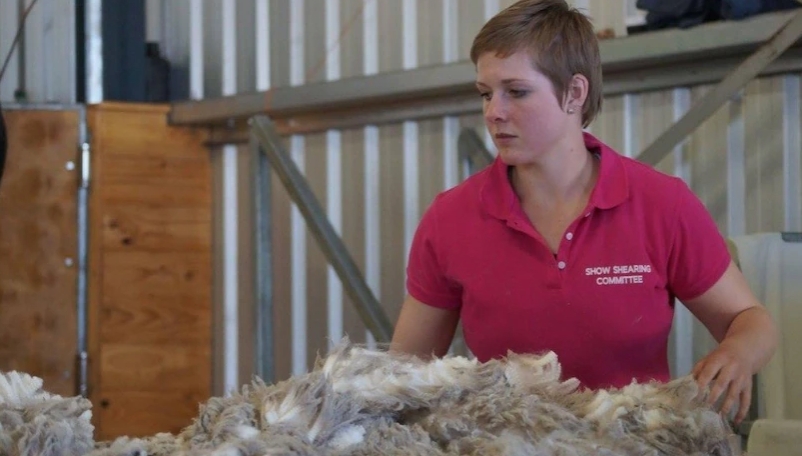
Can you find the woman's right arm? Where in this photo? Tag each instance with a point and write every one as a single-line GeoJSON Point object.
{"type": "Point", "coordinates": [424, 330]}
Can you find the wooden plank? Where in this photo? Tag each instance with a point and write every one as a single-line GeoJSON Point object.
{"type": "Point", "coordinates": [150, 271]}
{"type": "Point", "coordinates": [163, 272]}
{"type": "Point", "coordinates": [144, 413]}
{"type": "Point", "coordinates": [155, 367]}
{"type": "Point", "coordinates": [37, 233]}
{"type": "Point", "coordinates": [142, 131]}
{"type": "Point", "coordinates": [156, 297]}
{"type": "Point", "coordinates": [157, 181]}
{"type": "Point", "coordinates": [152, 228]}
{"type": "Point", "coordinates": [160, 316]}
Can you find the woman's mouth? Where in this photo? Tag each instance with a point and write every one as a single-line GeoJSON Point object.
{"type": "Point", "coordinates": [503, 138]}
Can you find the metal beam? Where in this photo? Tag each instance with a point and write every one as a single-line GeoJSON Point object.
{"type": "Point", "coordinates": [263, 264]}
{"type": "Point", "coordinates": [330, 243]}
{"type": "Point", "coordinates": [786, 35]}
{"type": "Point", "coordinates": [708, 72]}
{"type": "Point", "coordinates": [645, 61]}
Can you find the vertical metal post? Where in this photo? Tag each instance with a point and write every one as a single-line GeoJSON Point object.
{"type": "Point", "coordinates": [263, 277]}
{"type": "Point", "coordinates": [792, 153]}
{"type": "Point", "coordinates": [83, 243]}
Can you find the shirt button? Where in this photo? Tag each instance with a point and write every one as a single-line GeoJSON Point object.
{"type": "Point", "coordinates": [561, 265]}
{"type": "Point", "coordinates": [569, 236]}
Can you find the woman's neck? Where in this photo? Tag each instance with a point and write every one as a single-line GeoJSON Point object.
{"type": "Point", "coordinates": [563, 175]}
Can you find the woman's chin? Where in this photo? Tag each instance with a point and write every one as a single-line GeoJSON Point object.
{"type": "Point", "coordinates": [511, 157]}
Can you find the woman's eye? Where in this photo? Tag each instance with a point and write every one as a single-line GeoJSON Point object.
{"type": "Point", "coordinates": [485, 95]}
{"type": "Point", "coordinates": [517, 93]}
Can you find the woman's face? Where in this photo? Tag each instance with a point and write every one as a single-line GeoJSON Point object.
{"type": "Point", "coordinates": [524, 117]}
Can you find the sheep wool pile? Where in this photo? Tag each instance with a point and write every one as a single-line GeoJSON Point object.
{"type": "Point", "coordinates": [358, 401]}
{"type": "Point", "coordinates": [35, 422]}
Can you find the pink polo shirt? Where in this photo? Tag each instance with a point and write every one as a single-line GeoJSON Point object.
{"type": "Point", "coordinates": [604, 304]}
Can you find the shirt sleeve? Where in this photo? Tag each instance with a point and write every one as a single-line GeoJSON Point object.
{"type": "Point", "coordinates": [426, 278]}
{"type": "Point", "coordinates": [699, 254]}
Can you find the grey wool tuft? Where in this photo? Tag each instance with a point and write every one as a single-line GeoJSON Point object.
{"type": "Point", "coordinates": [371, 402]}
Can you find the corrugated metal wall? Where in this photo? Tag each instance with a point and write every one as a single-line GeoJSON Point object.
{"type": "Point", "coordinates": [43, 64]}
{"type": "Point", "coordinates": [376, 181]}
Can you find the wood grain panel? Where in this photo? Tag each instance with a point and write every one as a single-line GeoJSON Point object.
{"type": "Point", "coordinates": [144, 413]}
{"type": "Point", "coordinates": [162, 272]}
{"type": "Point", "coordinates": [141, 131]}
{"type": "Point", "coordinates": [139, 366]}
{"type": "Point", "coordinates": [155, 228]}
{"type": "Point", "coordinates": [174, 181]}
{"type": "Point", "coordinates": [37, 233]}
{"type": "Point", "coordinates": [156, 297]}
{"type": "Point", "coordinates": [150, 271]}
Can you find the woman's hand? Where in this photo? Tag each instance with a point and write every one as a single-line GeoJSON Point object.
{"type": "Point", "coordinates": [728, 375]}
{"type": "Point", "coordinates": [746, 335]}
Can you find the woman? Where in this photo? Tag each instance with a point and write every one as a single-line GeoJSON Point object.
{"type": "Point", "coordinates": [564, 245]}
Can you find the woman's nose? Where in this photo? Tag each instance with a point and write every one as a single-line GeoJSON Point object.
{"type": "Point", "coordinates": [495, 111]}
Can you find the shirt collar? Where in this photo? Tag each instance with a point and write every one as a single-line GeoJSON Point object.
{"type": "Point", "coordinates": [498, 198]}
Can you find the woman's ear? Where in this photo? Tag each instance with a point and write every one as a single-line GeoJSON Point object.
{"type": "Point", "coordinates": [576, 93]}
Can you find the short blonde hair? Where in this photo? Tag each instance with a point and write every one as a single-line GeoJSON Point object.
{"type": "Point", "coordinates": [559, 39]}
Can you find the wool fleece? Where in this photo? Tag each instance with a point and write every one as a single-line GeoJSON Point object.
{"type": "Point", "coordinates": [358, 401]}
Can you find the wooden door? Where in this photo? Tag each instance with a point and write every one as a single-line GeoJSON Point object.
{"type": "Point", "coordinates": [38, 246]}
{"type": "Point", "coordinates": [150, 271]}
